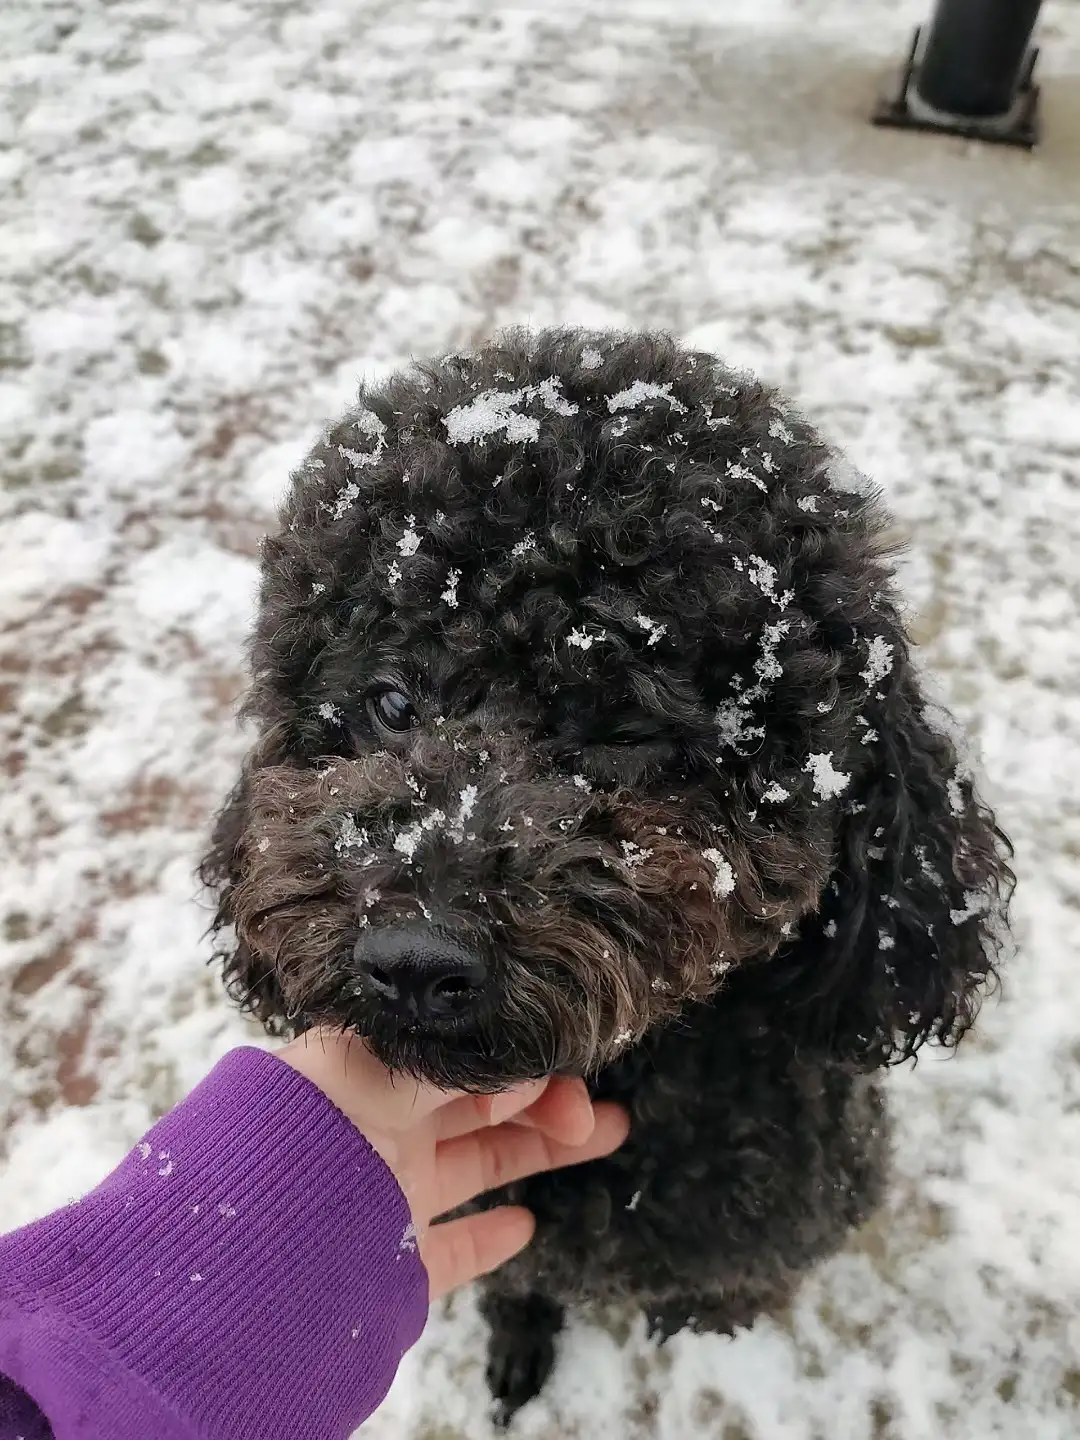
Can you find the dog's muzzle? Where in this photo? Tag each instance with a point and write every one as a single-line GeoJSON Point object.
{"type": "Point", "coordinates": [421, 974]}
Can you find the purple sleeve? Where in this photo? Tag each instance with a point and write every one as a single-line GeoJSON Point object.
{"type": "Point", "coordinates": [248, 1272]}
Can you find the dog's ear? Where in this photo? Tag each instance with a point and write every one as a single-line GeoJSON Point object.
{"type": "Point", "coordinates": [250, 981]}
{"type": "Point", "coordinates": [911, 925]}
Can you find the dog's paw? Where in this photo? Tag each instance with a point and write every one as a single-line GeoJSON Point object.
{"type": "Point", "coordinates": [517, 1369]}
{"type": "Point", "coordinates": [521, 1352]}
{"type": "Point", "coordinates": [668, 1320]}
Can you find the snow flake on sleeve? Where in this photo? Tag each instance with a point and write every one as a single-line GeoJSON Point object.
{"type": "Point", "coordinates": [641, 391]}
{"type": "Point", "coordinates": [526, 543]}
{"type": "Point", "coordinates": [780, 431]}
{"type": "Point", "coordinates": [807, 503]}
{"type": "Point", "coordinates": [329, 712]}
{"type": "Point", "coordinates": [393, 574]}
{"type": "Point", "coordinates": [591, 359]}
{"type": "Point", "coordinates": [776, 793]}
{"type": "Point", "coordinates": [724, 878]}
{"type": "Point", "coordinates": [828, 781]}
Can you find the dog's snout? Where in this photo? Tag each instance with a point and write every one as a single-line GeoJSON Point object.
{"type": "Point", "coordinates": [423, 974]}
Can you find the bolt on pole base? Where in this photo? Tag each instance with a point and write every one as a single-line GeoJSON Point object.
{"type": "Point", "coordinates": [902, 108]}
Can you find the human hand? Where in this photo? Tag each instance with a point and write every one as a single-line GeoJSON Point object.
{"type": "Point", "coordinates": [444, 1147]}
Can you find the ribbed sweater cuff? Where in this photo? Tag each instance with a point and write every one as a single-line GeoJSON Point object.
{"type": "Point", "coordinates": [249, 1267]}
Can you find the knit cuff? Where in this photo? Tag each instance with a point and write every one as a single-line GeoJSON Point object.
{"type": "Point", "coordinates": [251, 1261]}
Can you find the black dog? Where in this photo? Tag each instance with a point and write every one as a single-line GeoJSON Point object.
{"type": "Point", "coordinates": [589, 741]}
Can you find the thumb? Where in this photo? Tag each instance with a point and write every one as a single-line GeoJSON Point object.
{"type": "Point", "coordinates": [343, 1066]}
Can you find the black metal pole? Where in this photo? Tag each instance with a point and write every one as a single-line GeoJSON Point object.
{"type": "Point", "coordinates": [974, 56]}
{"type": "Point", "coordinates": [970, 72]}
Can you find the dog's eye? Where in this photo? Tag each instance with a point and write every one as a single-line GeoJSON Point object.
{"type": "Point", "coordinates": [392, 710]}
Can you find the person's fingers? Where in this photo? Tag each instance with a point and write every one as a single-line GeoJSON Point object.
{"type": "Point", "coordinates": [486, 1159]}
{"type": "Point", "coordinates": [475, 1112]}
{"type": "Point", "coordinates": [457, 1251]}
{"type": "Point", "coordinates": [564, 1111]}
{"type": "Point", "coordinates": [559, 1106]}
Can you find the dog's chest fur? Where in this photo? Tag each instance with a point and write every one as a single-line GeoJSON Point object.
{"type": "Point", "coordinates": [744, 1165]}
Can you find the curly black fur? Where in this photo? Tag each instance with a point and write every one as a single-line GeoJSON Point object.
{"type": "Point", "coordinates": [673, 775]}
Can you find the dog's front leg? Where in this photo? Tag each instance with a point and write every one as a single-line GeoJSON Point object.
{"type": "Point", "coordinates": [521, 1350]}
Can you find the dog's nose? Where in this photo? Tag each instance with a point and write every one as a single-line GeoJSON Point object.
{"type": "Point", "coordinates": [419, 973]}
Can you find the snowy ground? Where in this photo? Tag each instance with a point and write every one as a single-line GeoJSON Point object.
{"type": "Point", "coordinates": [213, 218]}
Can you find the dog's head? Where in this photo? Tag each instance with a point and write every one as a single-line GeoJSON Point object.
{"type": "Point", "coordinates": [582, 693]}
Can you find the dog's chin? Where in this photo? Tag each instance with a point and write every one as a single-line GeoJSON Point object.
{"type": "Point", "coordinates": [453, 1060]}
